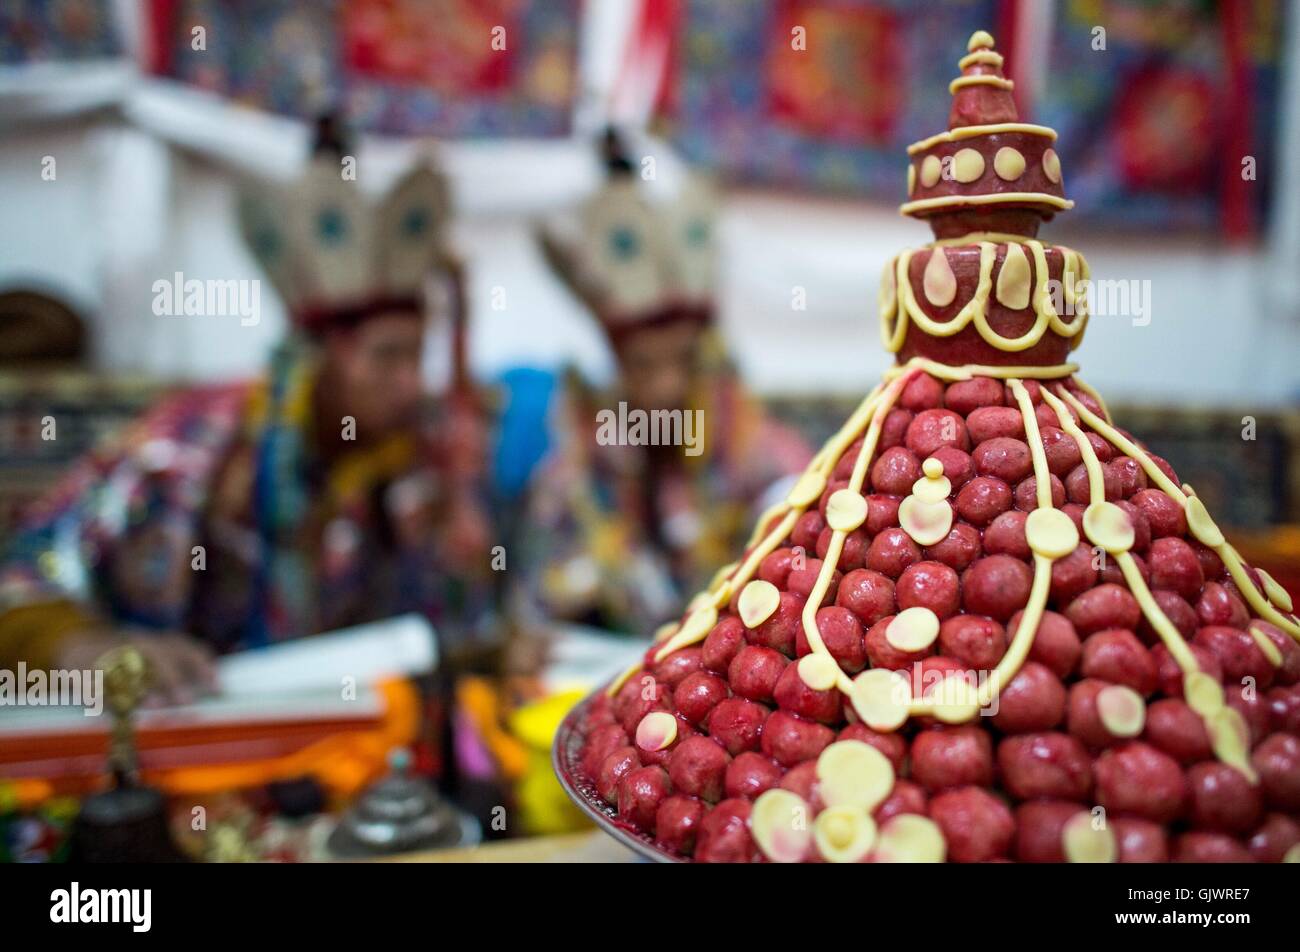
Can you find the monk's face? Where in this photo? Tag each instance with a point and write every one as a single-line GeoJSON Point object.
{"type": "Point", "coordinates": [658, 366]}
{"type": "Point", "coordinates": [373, 373]}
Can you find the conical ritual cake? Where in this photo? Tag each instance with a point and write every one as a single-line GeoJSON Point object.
{"type": "Point", "coordinates": [986, 623]}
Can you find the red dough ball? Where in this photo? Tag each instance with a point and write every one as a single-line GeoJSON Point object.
{"type": "Point", "coordinates": [958, 466]}
{"type": "Point", "coordinates": [650, 695]}
{"type": "Point", "coordinates": [1171, 675]}
{"type": "Point", "coordinates": [1141, 528]}
{"type": "Point", "coordinates": [1005, 457]}
{"type": "Point", "coordinates": [1289, 670]}
{"type": "Point", "coordinates": [754, 672]}
{"type": "Point", "coordinates": [1005, 535]}
{"type": "Point", "coordinates": [602, 741]}
{"type": "Point", "coordinates": [1025, 495]}
{"type": "Point", "coordinates": [931, 585]}
{"type": "Point", "coordinates": [1052, 765]}
{"type": "Point", "coordinates": [1254, 710]}
{"type": "Point", "coordinates": [1209, 848]}
{"type": "Point", "coordinates": [781, 630]}
{"type": "Point", "coordinates": [723, 644]}
{"type": "Point", "coordinates": [775, 567]}
{"type": "Point", "coordinates": [640, 794]}
{"type": "Point", "coordinates": [698, 767]}
{"type": "Point", "coordinates": [893, 746]}
{"type": "Point", "coordinates": [1140, 841]}
{"type": "Point", "coordinates": [958, 549]}
{"type": "Point", "coordinates": [789, 739]}
{"type": "Point", "coordinates": [1100, 447]}
{"type": "Point", "coordinates": [1083, 720]}
{"type": "Point", "coordinates": [1218, 605]}
{"type": "Point", "coordinates": [803, 781]}
{"type": "Point", "coordinates": [1284, 709]}
{"type": "Point", "coordinates": [1061, 449]}
{"type": "Point", "coordinates": [883, 654]}
{"type": "Point", "coordinates": [1238, 655]}
{"type": "Point", "coordinates": [965, 396]}
{"type": "Point", "coordinates": [724, 834]}
{"type": "Point", "coordinates": [922, 392]}
{"type": "Point", "coordinates": [801, 583]}
{"type": "Point", "coordinates": [1138, 779]}
{"type": "Point", "coordinates": [895, 470]}
{"type": "Point", "coordinates": [1073, 575]}
{"type": "Point", "coordinates": [1180, 614]}
{"type": "Point", "coordinates": [1116, 655]}
{"type": "Point", "coordinates": [617, 764]}
{"type": "Point", "coordinates": [1078, 485]}
{"type": "Point", "coordinates": [1277, 760]}
{"type": "Point", "coordinates": [987, 423]}
{"type": "Point", "coordinates": [997, 586]}
{"type": "Point", "coordinates": [1211, 564]}
{"type": "Point", "coordinates": [1106, 606]}
{"type": "Point", "coordinates": [698, 695]}
{"type": "Point", "coordinates": [750, 774]}
{"type": "Point", "coordinates": [1033, 700]}
{"type": "Point", "coordinates": [906, 797]}
{"type": "Point", "coordinates": [982, 499]}
{"type": "Point", "coordinates": [792, 694]}
{"type": "Point", "coordinates": [1174, 566]}
{"type": "Point", "coordinates": [952, 757]}
{"type": "Point", "coordinates": [806, 530]}
{"type": "Point", "coordinates": [867, 594]}
{"type": "Point", "coordinates": [737, 724]}
{"type": "Point", "coordinates": [882, 512]}
{"type": "Point", "coordinates": [1220, 798]}
{"type": "Point", "coordinates": [842, 634]}
{"type": "Point", "coordinates": [1179, 731]}
{"type": "Point", "coordinates": [976, 825]}
{"type": "Point", "coordinates": [674, 668]}
{"type": "Point", "coordinates": [677, 822]}
{"type": "Point", "coordinates": [1275, 836]}
{"type": "Point", "coordinates": [891, 552]}
{"type": "Point", "coordinates": [975, 641]}
{"type": "Point", "coordinates": [894, 429]}
{"type": "Point", "coordinates": [1039, 830]}
{"type": "Point", "coordinates": [932, 429]}
{"type": "Point", "coordinates": [1128, 474]}
{"type": "Point", "coordinates": [844, 466]}
{"type": "Point", "coordinates": [1164, 515]}
{"type": "Point", "coordinates": [1056, 645]}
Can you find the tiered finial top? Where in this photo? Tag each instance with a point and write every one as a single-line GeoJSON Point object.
{"type": "Point", "coordinates": [989, 171]}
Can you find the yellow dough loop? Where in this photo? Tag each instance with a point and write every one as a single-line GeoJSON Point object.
{"type": "Point", "coordinates": [819, 671]}
{"type": "Point", "coordinates": [695, 629]}
{"type": "Point", "coordinates": [911, 179]}
{"type": "Point", "coordinates": [846, 510]}
{"type": "Point", "coordinates": [1270, 650]}
{"type": "Point", "coordinates": [664, 632]}
{"type": "Point", "coordinates": [844, 834]}
{"type": "Point", "coordinates": [1082, 842]}
{"type": "Point", "coordinates": [992, 198]}
{"type": "Point", "coordinates": [967, 165]}
{"type": "Point", "coordinates": [913, 629]}
{"type": "Point", "coordinates": [970, 132]}
{"type": "Point", "coordinates": [758, 602]}
{"type": "Point", "coordinates": [657, 730]}
{"type": "Point", "coordinates": [1108, 526]}
{"type": "Point", "coordinates": [880, 698]}
{"type": "Point", "coordinates": [1275, 592]}
{"type": "Point", "coordinates": [779, 825]}
{"type": "Point", "coordinates": [1203, 693]}
{"type": "Point", "coordinates": [908, 838]}
{"type": "Point", "coordinates": [1230, 739]}
{"type": "Point", "coordinates": [951, 373]}
{"type": "Point", "coordinates": [1051, 533]}
{"type": "Point", "coordinates": [1122, 711]}
{"type": "Point", "coordinates": [1008, 163]}
{"type": "Point", "coordinates": [853, 774]}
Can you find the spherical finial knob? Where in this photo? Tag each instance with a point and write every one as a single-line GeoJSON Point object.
{"type": "Point", "coordinates": [980, 40]}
